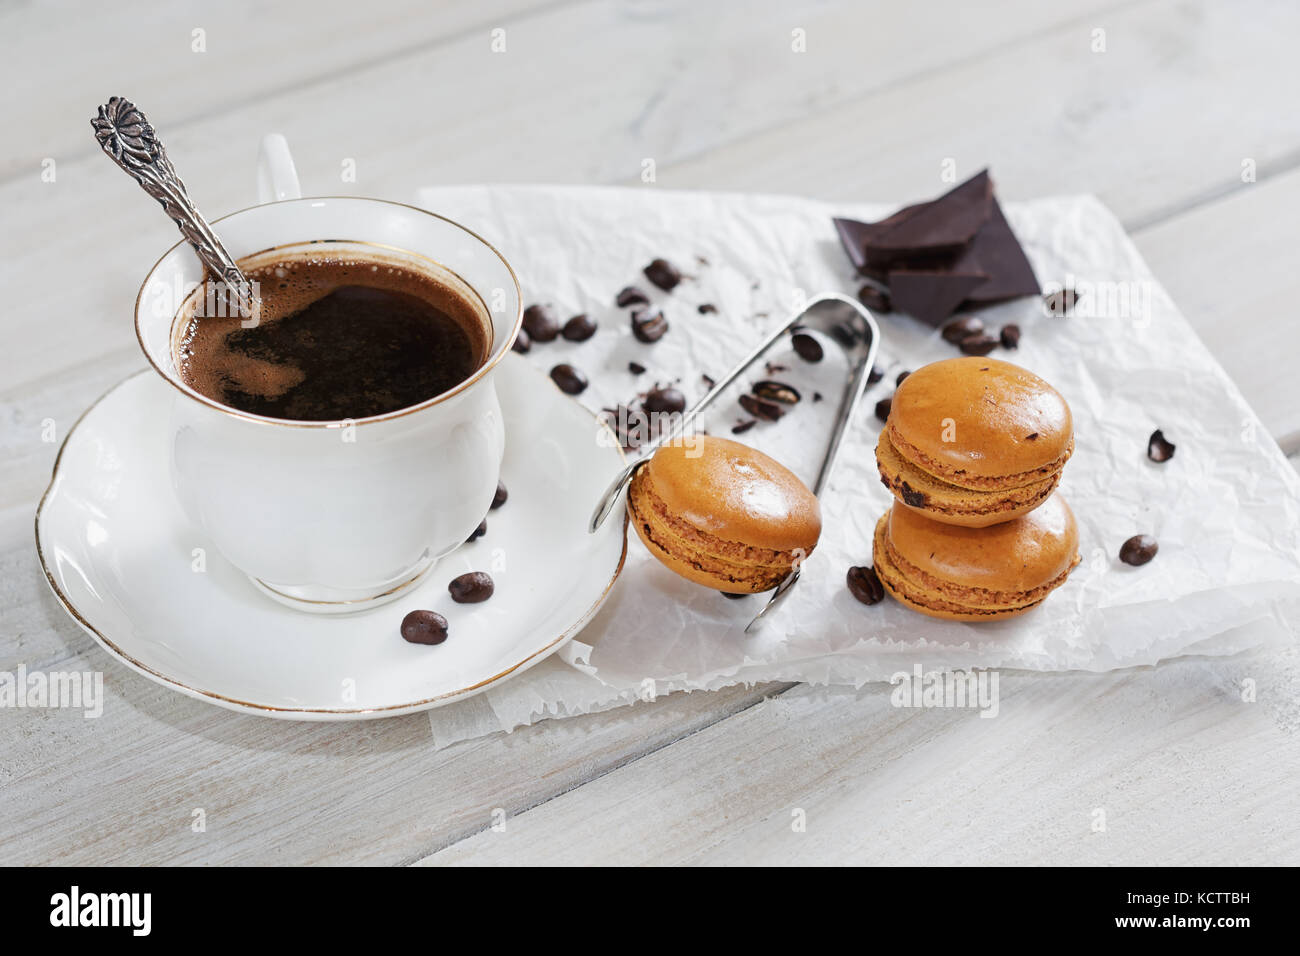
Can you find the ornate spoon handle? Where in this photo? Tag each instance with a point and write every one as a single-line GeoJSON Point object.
{"type": "Point", "coordinates": [130, 141]}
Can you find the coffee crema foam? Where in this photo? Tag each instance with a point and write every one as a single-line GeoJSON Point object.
{"type": "Point", "coordinates": [338, 337]}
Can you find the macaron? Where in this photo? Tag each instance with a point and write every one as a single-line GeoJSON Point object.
{"type": "Point", "coordinates": [975, 574]}
{"type": "Point", "coordinates": [723, 515]}
{"type": "Point", "coordinates": [974, 441]}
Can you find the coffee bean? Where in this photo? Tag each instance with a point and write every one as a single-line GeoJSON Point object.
{"type": "Point", "coordinates": [631, 295]}
{"type": "Point", "coordinates": [636, 368]}
{"type": "Point", "coordinates": [579, 328]}
{"type": "Point", "coordinates": [960, 328]}
{"type": "Point", "coordinates": [570, 380]}
{"type": "Point", "coordinates": [471, 588]}
{"type": "Point", "coordinates": [540, 323]}
{"type": "Point", "coordinates": [707, 308]}
{"type": "Point", "coordinates": [648, 325]}
{"type": "Point", "coordinates": [807, 347]}
{"type": "Point", "coordinates": [1138, 550]}
{"type": "Point", "coordinates": [981, 344]}
{"type": "Point", "coordinates": [500, 497]}
{"type": "Point", "coordinates": [522, 342]}
{"type": "Point", "coordinates": [875, 298]}
{"type": "Point", "coordinates": [901, 375]}
{"type": "Point", "coordinates": [664, 401]}
{"type": "Point", "coordinates": [664, 274]}
{"type": "Point", "coordinates": [741, 427]}
{"type": "Point", "coordinates": [1010, 336]}
{"type": "Point", "coordinates": [864, 584]}
{"type": "Point", "coordinates": [1160, 448]}
{"type": "Point", "coordinates": [631, 425]}
{"type": "Point", "coordinates": [875, 375]}
{"type": "Point", "coordinates": [761, 408]}
{"type": "Point", "coordinates": [913, 497]}
{"type": "Point", "coordinates": [733, 597]}
{"type": "Point", "coordinates": [478, 532]}
{"type": "Point", "coordinates": [1060, 302]}
{"type": "Point", "coordinates": [424, 627]}
{"type": "Point", "coordinates": [882, 408]}
{"type": "Point", "coordinates": [776, 392]}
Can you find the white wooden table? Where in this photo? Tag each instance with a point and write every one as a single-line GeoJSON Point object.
{"type": "Point", "coordinates": [1161, 123]}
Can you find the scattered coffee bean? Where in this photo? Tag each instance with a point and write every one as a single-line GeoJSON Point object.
{"type": "Point", "coordinates": [733, 597]}
{"type": "Point", "coordinates": [579, 328]}
{"type": "Point", "coordinates": [741, 427]}
{"type": "Point", "coordinates": [875, 298]}
{"type": "Point", "coordinates": [471, 588]}
{"type": "Point", "coordinates": [807, 347]}
{"type": "Point", "coordinates": [761, 408]}
{"type": "Point", "coordinates": [649, 325]}
{"type": "Point", "coordinates": [901, 375]}
{"type": "Point", "coordinates": [664, 274]}
{"type": "Point", "coordinates": [707, 308]}
{"type": "Point", "coordinates": [424, 627]}
{"type": "Point", "coordinates": [1060, 302]}
{"type": "Point", "coordinates": [865, 585]}
{"type": "Point", "coordinates": [636, 368]}
{"type": "Point", "coordinates": [478, 532]}
{"type": "Point", "coordinates": [875, 375]}
{"type": "Point", "coordinates": [1010, 336]}
{"type": "Point", "coordinates": [500, 497]}
{"type": "Point", "coordinates": [882, 408]}
{"type": "Point", "coordinates": [522, 342]}
{"type": "Point", "coordinates": [913, 497]}
{"type": "Point", "coordinates": [1138, 550]}
{"type": "Point", "coordinates": [960, 328]}
{"type": "Point", "coordinates": [981, 344]}
{"type": "Point", "coordinates": [1160, 448]}
{"type": "Point", "coordinates": [776, 392]}
{"type": "Point", "coordinates": [540, 323]}
{"type": "Point", "coordinates": [666, 400]}
{"type": "Point", "coordinates": [631, 295]}
{"type": "Point", "coordinates": [570, 380]}
{"type": "Point", "coordinates": [817, 396]}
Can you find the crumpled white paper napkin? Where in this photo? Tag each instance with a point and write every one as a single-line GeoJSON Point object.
{"type": "Point", "coordinates": [1225, 509]}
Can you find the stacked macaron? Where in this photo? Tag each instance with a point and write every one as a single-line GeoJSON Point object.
{"type": "Point", "coordinates": [973, 451]}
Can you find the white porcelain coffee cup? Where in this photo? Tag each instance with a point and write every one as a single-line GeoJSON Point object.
{"type": "Point", "coordinates": [336, 516]}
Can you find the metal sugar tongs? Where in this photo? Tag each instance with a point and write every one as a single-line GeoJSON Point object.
{"type": "Point", "coordinates": [839, 318]}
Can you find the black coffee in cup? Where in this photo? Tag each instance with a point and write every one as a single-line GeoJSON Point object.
{"type": "Point", "coordinates": [337, 337]}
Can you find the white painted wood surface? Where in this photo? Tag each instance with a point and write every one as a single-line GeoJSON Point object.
{"type": "Point", "coordinates": [1158, 124]}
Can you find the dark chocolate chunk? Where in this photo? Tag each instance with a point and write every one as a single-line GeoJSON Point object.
{"type": "Point", "coordinates": [776, 392]}
{"type": "Point", "coordinates": [761, 408]}
{"type": "Point", "coordinates": [1010, 336]}
{"type": "Point", "coordinates": [962, 327]}
{"type": "Point", "coordinates": [882, 408]}
{"type": "Point", "coordinates": [741, 427]}
{"type": "Point", "coordinates": [540, 323]}
{"type": "Point", "coordinates": [875, 298]}
{"type": "Point", "coordinates": [471, 588]}
{"type": "Point", "coordinates": [569, 379]}
{"type": "Point", "coordinates": [648, 325]}
{"type": "Point", "coordinates": [1138, 550]}
{"type": "Point", "coordinates": [500, 497]}
{"type": "Point", "coordinates": [666, 400]}
{"type": "Point", "coordinates": [930, 296]}
{"type": "Point", "coordinates": [807, 347]}
{"type": "Point", "coordinates": [913, 497]}
{"type": "Point", "coordinates": [997, 252]}
{"type": "Point", "coordinates": [707, 308]}
{"type": "Point", "coordinates": [817, 396]}
{"type": "Point", "coordinates": [522, 342]}
{"type": "Point", "coordinates": [631, 295]}
{"type": "Point", "coordinates": [943, 226]}
{"type": "Point", "coordinates": [981, 344]}
{"type": "Point", "coordinates": [424, 627]}
{"type": "Point", "coordinates": [1160, 448]}
{"type": "Point", "coordinates": [477, 532]}
{"type": "Point", "coordinates": [636, 368]}
{"type": "Point", "coordinates": [664, 274]}
{"type": "Point", "coordinates": [579, 328]}
{"type": "Point", "coordinates": [864, 584]}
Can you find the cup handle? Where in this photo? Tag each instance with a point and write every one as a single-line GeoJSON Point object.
{"type": "Point", "coordinates": [277, 178]}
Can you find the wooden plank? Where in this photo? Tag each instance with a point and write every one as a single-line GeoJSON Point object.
{"type": "Point", "coordinates": [1184, 771]}
{"type": "Point", "coordinates": [1230, 266]}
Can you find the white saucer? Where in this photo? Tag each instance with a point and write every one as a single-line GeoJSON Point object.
{"type": "Point", "coordinates": [120, 556]}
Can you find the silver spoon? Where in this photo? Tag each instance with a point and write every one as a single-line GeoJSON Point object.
{"type": "Point", "coordinates": [841, 319]}
{"type": "Point", "coordinates": [130, 141]}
